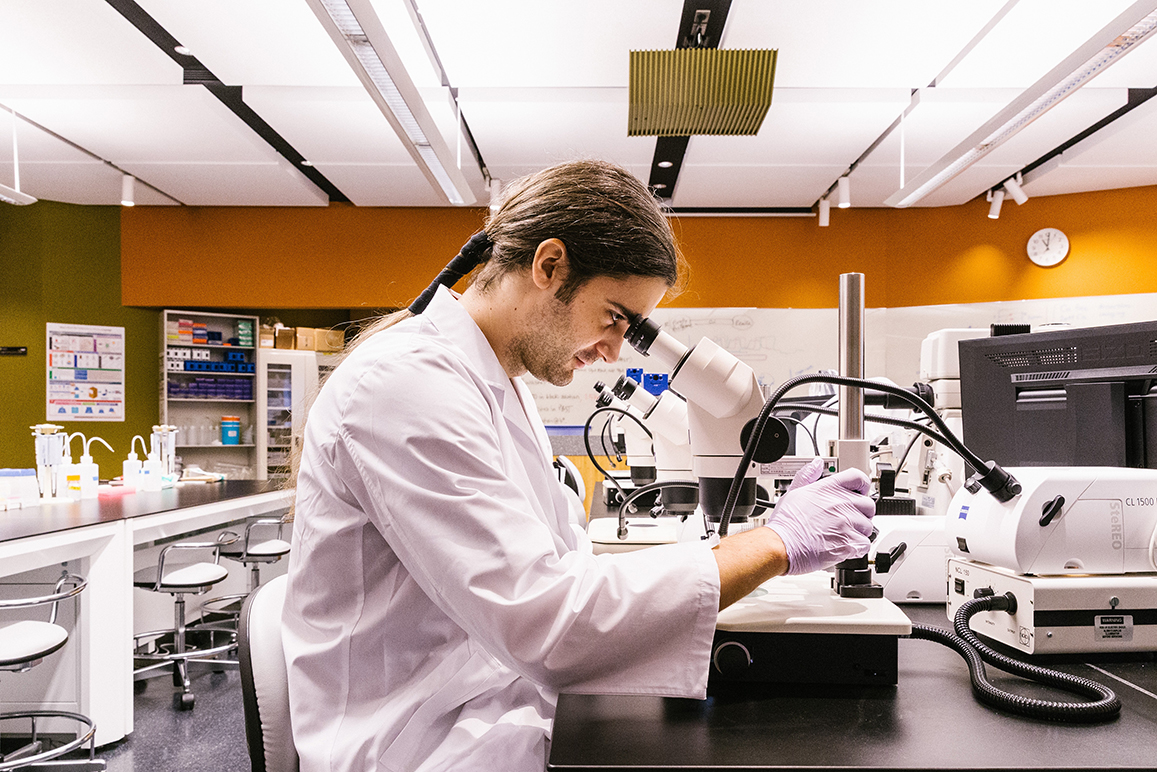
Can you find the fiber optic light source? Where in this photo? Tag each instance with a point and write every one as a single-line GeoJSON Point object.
{"type": "Point", "coordinates": [1120, 36]}
{"type": "Point", "coordinates": [997, 198]}
{"type": "Point", "coordinates": [360, 36]}
{"type": "Point", "coordinates": [843, 193]}
{"type": "Point", "coordinates": [128, 185]}
{"type": "Point", "coordinates": [825, 212]}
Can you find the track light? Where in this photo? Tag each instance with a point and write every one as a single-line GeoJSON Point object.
{"type": "Point", "coordinates": [1012, 185]}
{"type": "Point", "coordinates": [825, 212]}
{"type": "Point", "coordinates": [997, 198]}
{"type": "Point", "coordinates": [1106, 47]}
{"type": "Point", "coordinates": [128, 187]}
{"type": "Point", "coordinates": [844, 192]}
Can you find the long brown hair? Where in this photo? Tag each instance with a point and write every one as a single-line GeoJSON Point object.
{"type": "Point", "coordinates": [609, 221]}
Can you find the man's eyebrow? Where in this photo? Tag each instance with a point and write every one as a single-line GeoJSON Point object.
{"type": "Point", "coordinates": [623, 310]}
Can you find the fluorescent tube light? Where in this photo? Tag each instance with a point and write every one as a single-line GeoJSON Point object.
{"type": "Point", "coordinates": [359, 34]}
{"type": "Point", "coordinates": [1103, 49]}
{"type": "Point", "coordinates": [13, 195]}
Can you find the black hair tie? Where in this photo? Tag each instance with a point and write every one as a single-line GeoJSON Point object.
{"type": "Point", "coordinates": [471, 254]}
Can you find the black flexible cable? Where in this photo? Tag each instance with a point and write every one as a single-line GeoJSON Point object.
{"type": "Point", "coordinates": [1104, 706]}
{"type": "Point", "coordinates": [807, 431]}
{"type": "Point", "coordinates": [469, 256]}
{"type": "Point", "coordinates": [587, 442]}
{"type": "Point", "coordinates": [950, 438]}
{"type": "Point", "coordinates": [875, 418]}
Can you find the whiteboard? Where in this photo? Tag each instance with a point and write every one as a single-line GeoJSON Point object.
{"type": "Point", "coordinates": [781, 343]}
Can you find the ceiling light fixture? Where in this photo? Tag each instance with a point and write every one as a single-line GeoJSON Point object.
{"type": "Point", "coordinates": [1012, 185]}
{"type": "Point", "coordinates": [825, 212]}
{"type": "Point", "coordinates": [843, 192]}
{"type": "Point", "coordinates": [128, 186]}
{"type": "Point", "coordinates": [1103, 49]}
{"type": "Point", "coordinates": [665, 164]}
{"type": "Point", "coordinates": [362, 40]}
{"type": "Point", "coordinates": [13, 195]}
{"type": "Point", "coordinates": [997, 198]}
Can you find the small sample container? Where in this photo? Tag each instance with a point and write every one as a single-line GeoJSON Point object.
{"type": "Point", "coordinates": [230, 430]}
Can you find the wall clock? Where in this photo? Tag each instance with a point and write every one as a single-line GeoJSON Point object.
{"type": "Point", "coordinates": [1047, 247]}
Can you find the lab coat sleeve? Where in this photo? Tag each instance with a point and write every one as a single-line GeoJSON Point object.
{"type": "Point", "coordinates": [437, 481]}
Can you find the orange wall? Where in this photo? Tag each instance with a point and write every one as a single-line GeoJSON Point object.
{"type": "Point", "coordinates": [348, 257]}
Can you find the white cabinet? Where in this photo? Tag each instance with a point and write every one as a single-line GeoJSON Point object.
{"type": "Point", "coordinates": [287, 382]}
{"type": "Point", "coordinates": [208, 371]}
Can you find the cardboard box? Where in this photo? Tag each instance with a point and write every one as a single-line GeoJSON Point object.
{"type": "Point", "coordinates": [266, 338]}
{"type": "Point", "coordinates": [328, 340]}
{"type": "Point", "coordinates": [285, 338]}
{"type": "Point", "coordinates": [304, 338]}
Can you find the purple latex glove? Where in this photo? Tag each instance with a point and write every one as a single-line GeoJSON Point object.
{"type": "Point", "coordinates": [826, 521]}
{"type": "Point", "coordinates": [807, 474]}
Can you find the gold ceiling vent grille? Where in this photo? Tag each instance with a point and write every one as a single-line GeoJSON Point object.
{"type": "Point", "coordinates": [691, 91]}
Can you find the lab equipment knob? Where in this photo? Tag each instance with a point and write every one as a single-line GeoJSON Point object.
{"type": "Point", "coordinates": [731, 658]}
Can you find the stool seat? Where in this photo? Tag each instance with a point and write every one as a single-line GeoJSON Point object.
{"type": "Point", "coordinates": [193, 577]}
{"type": "Point", "coordinates": [29, 640]}
{"type": "Point", "coordinates": [271, 548]}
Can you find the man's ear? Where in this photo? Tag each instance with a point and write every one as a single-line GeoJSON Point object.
{"type": "Point", "coordinates": [550, 267]}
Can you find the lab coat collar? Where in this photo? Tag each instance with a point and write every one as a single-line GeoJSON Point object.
{"type": "Point", "coordinates": [518, 408]}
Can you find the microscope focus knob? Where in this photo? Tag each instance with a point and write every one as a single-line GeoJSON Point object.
{"type": "Point", "coordinates": [731, 658]}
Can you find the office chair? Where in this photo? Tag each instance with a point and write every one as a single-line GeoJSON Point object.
{"type": "Point", "coordinates": [25, 644]}
{"type": "Point", "coordinates": [265, 680]}
{"type": "Point", "coordinates": [170, 650]}
{"type": "Point", "coordinates": [251, 554]}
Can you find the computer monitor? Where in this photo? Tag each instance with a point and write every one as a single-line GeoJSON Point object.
{"type": "Point", "coordinates": [1068, 397]}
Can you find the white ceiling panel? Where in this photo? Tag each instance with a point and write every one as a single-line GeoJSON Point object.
{"type": "Point", "coordinates": [329, 125]}
{"type": "Point", "coordinates": [853, 44]}
{"type": "Point", "coordinates": [255, 42]}
{"type": "Point", "coordinates": [383, 184]}
{"type": "Point", "coordinates": [1076, 179]}
{"type": "Point", "coordinates": [808, 126]}
{"type": "Point", "coordinates": [1129, 140]}
{"type": "Point", "coordinates": [751, 185]}
{"type": "Point", "coordinates": [531, 43]}
{"type": "Point", "coordinates": [231, 184]}
{"type": "Point", "coordinates": [126, 124]}
{"type": "Point", "coordinates": [54, 42]}
{"type": "Point", "coordinates": [541, 133]}
{"type": "Point", "coordinates": [1034, 37]}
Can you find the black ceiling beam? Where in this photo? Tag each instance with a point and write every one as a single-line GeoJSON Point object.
{"type": "Point", "coordinates": [700, 26]}
{"type": "Point", "coordinates": [195, 73]}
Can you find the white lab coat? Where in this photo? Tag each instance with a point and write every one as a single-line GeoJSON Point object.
{"type": "Point", "coordinates": [440, 594]}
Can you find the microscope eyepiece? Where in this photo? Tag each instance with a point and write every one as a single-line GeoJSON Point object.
{"type": "Point", "coordinates": [641, 334]}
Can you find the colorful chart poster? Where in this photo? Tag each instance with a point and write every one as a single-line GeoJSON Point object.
{"type": "Point", "coordinates": [86, 372]}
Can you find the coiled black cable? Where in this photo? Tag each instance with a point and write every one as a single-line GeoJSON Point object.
{"type": "Point", "coordinates": [1104, 706]}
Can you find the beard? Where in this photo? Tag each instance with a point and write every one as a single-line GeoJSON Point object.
{"type": "Point", "coordinates": [543, 346]}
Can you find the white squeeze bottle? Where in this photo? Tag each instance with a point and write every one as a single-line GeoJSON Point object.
{"type": "Point", "coordinates": [149, 478]}
{"type": "Point", "coordinates": [131, 468]}
{"type": "Point", "coordinates": [88, 471]}
{"type": "Point", "coordinates": [68, 477]}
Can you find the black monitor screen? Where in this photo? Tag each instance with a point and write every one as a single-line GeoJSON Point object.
{"type": "Point", "coordinates": [1071, 397]}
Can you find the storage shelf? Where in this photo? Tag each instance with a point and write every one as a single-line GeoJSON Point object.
{"type": "Point", "coordinates": [195, 447]}
{"type": "Point", "coordinates": [171, 344]}
{"type": "Point", "coordinates": [209, 399]}
{"type": "Point", "coordinates": [214, 373]}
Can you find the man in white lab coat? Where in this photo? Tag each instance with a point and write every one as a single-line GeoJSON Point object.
{"type": "Point", "coordinates": [441, 589]}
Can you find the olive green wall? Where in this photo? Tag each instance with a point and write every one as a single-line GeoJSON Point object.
{"type": "Point", "coordinates": [61, 263]}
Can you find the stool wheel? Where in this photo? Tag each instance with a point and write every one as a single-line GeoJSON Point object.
{"type": "Point", "coordinates": [188, 699]}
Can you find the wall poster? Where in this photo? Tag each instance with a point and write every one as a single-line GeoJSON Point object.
{"type": "Point", "coordinates": [86, 372]}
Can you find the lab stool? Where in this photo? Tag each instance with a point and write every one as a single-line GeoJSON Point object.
{"type": "Point", "coordinates": [173, 650]}
{"type": "Point", "coordinates": [251, 554]}
{"type": "Point", "coordinates": [25, 644]}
